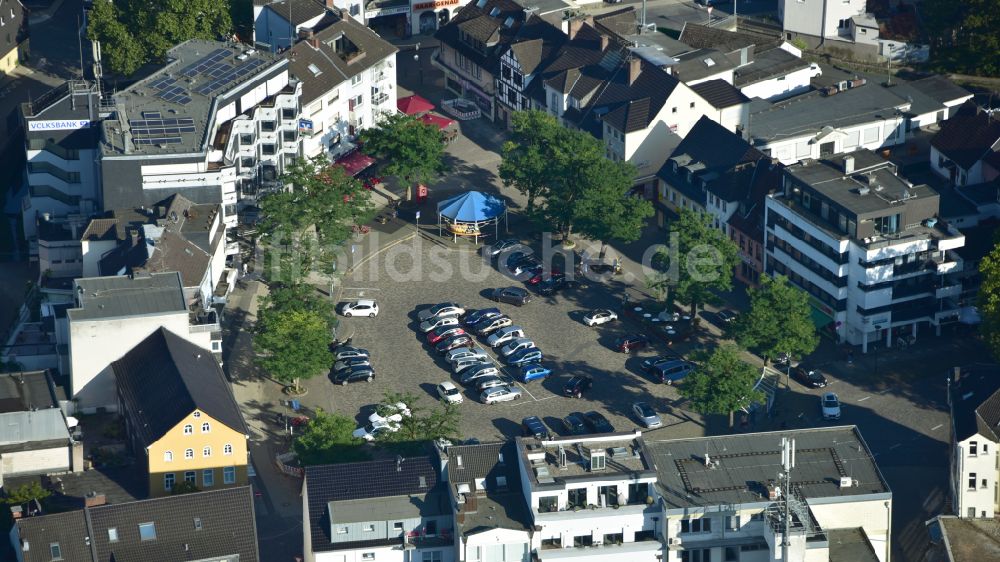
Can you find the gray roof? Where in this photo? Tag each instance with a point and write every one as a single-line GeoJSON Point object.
{"type": "Point", "coordinates": [142, 101]}
{"type": "Point", "coordinates": [26, 428]}
{"type": "Point", "coordinates": [748, 462]}
{"type": "Point", "coordinates": [26, 391]}
{"type": "Point", "coordinates": [719, 93]}
{"type": "Point", "coordinates": [115, 297]}
{"type": "Point", "coordinates": [387, 509]}
{"type": "Point", "coordinates": [300, 10]}
{"type": "Point", "coordinates": [702, 36]}
{"type": "Point", "coordinates": [968, 540]}
{"type": "Point", "coordinates": [941, 89]}
{"type": "Point", "coordinates": [333, 69]}
{"type": "Point", "coordinates": [501, 504]}
{"type": "Point", "coordinates": [700, 63]}
{"type": "Point", "coordinates": [850, 545]}
{"type": "Point", "coordinates": [198, 526]}
{"type": "Point", "coordinates": [624, 455]}
{"type": "Point", "coordinates": [767, 65]}
{"type": "Point", "coordinates": [810, 113]}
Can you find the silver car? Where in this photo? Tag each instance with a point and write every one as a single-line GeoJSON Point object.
{"type": "Point", "coordinates": [463, 365]}
{"type": "Point", "coordinates": [490, 382]}
{"type": "Point", "coordinates": [440, 310]}
{"type": "Point", "coordinates": [516, 345]}
{"type": "Point", "coordinates": [646, 415]}
{"type": "Point", "coordinates": [342, 353]}
{"type": "Point", "coordinates": [438, 322]}
{"type": "Point", "coordinates": [474, 374]}
{"type": "Point", "coordinates": [466, 353]}
{"type": "Point", "coordinates": [499, 394]}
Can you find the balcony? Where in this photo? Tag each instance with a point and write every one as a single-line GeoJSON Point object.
{"type": "Point", "coordinates": [644, 543]}
{"type": "Point", "coordinates": [54, 171]}
{"type": "Point", "coordinates": [948, 291]}
{"type": "Point", "coordinates": [379, 99]}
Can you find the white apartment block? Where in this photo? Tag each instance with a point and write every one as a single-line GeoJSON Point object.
{"type": "Point", "coordinates": [348, 76]}
{"type": "Point", "coordinates": [867, 246]}
{"type": "Point", "coordinates": [819, 18]}
{"type": "Point", "coordinates": [974, 399]}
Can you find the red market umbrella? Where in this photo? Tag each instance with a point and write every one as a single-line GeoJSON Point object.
{"type": "Point", "coordinates": [440, 122]}
{"type": "Point", "coordinates": [414, 105]}
{"type": "Point", "coordinates": [355, 162]}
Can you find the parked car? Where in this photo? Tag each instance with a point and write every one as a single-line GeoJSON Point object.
{"type": "Point", "coordinates": [598, 423]}
{"type": "Point", "coordinates": [599, 316]}
{"type": "Point", "coordinates": [462, 365]}
{"type": "Point", "coordinates": [469, 376]}
{"type": "Point", "coordinates": [444, 346]}
{"type": "Point", "coordinates": [517, 296]}
{"type": "Point", "coordinates": [501, 246]}
{"type": "Point", "coordinates": [346, 352]}
{"type": "Point", "coordinates": [463, 353]}
{"type": "Point", "coordinates": [444, 332]}
{"type": "Point", "coordinates": [672, 371]}
{"type": "Point", "coordinates": [499, 394]}
{"type": "Point", "coordinates": [390, 412]}
{"type": "Point", "coordinates": [435, 323]}
{"type": "Point", "coordinates": [527, 266]}
{"type": "Point", "coordinates": [647, 417]}
{"type": "Point", "coordinates": [532, 371]}
{"type": "Point", "coordinates": [489, 382]}
{"type": "Point", "coordinates": [553, 285]}
{"type": "Point", "coordinates": [350, 362]}
{"type": "Point", "coordinates": [653, 362]}
{"type": "Point", "coordinates": [504, 336]}
{"type": "Point", "coordinates": [517, 258]}
{"type": "Point", "coordinates": [631, 342]}
{"type": "Point", "coordinates": [808, 376]}
{"type": "Point", "coordinates": [481, 314]}
{"type": "Point", "coordinates": [493, 324]}
{"type": "Point", "coordinates": [450, 393]}
{"type": "Point", "coordinates": [525, 356]}
{"type": "Point", "coordinates": [354, 374]}
{"type": "Point", "coordinates": [726, 316]}
{"type": "Point", "coordinates": [515, 345]}
{"type": "Point", "coordinates": [574, 424]}
{"type": "Point", "coordinates": [782, 359]}
{"type": "Point", "coordinates": [371, 430]}
{"type": "Point", "coordinates": [830, 406]}
{"type": "Point", "coordinates": [365, 307]}
{"type": "Point", "coordinates": [532, 426]}
{"type": "Point", "coordinates": [439, 310]}
{"type": "Point", "coordinates": [578, 385]}
{"type": "Point", "coordinates": [540, 274]}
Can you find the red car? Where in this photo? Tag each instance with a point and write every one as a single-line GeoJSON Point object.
{"type": "Point", "coordinates": [444, 332]}
{"type": "Point", "coordinates": [631, 342]}
{"type": "Point", "coordinates": [539, 274]}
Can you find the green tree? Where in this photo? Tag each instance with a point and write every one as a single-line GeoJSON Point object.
{"type": "Point", "coordinates": [524, 161]}
{"type": "Point", "coordinates": [134, 32]}
{"type": "Point", "coordinates": [722, 383]}
{"type": "Point", "coordinates": [412, 150]}
{"type": "Point", "coordinates": [707, 259]}
{"type": "Point", "coordinates": [293, 345]}
{"type": "Point", "coordinates": [184, 487]}
{"type": "Point", "coordinates": [964, 35]}
{"type": "Point", "coordinates": [578, 166]}
{"type": "Point", "coordinates": [282, 299]}
{"type": "Point", "coordinates": [422, 425]}
{"type": "Point", "coordinates": [328, 439]}
{"type": "Point", "coordinates": [606, 211]}
{"type": "Point", "coordinates": [989, 299]}
{"type": "Point", "coordinates": [26, 493]}
{"type": "Point", "coordinates": [779, 320]}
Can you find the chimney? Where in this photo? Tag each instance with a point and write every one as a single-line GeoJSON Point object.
{"type": "Point", "coordinates": [848, 164]}
{"type": "Point", "coordinates": [575, 24]}
{"type": "Point", "coordinates": [605, 41]}
{"type": "Point", "coordinates": [93, 499]}
{"type": "Point", "coordinates": [313, 41]}
{"type": "Point", "coordinates": [133, 234]}
{"type": "Point", "coordinates": [330, 5]}
{"type": "Point", "coordinates": [634, 68]}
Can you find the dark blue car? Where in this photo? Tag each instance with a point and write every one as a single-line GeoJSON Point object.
{"type": "Point", "coordinates": [477, 315]}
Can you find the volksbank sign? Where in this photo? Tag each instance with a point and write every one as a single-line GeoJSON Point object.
{"type": "Point", "coordinates": [67, 125]}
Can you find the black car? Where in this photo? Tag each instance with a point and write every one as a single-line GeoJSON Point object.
{"type": "Point", "coordinates": [532, 426]}
{"type": "Point", "coordinates": [444, 346]}
{"type": "Point", "coordinates": [477, 315]}
{"type": "Point", "coordinates": [577, 385]}
{"type": "Point", "coordinates": [354, 374]}
{"type": "Point", "coordinates": [516, 258]}
{"type": "Point", "coordinates": [631, 342]}
{"type": "Point", "coordinates": [552, 285]}
{"type": "Point", "coordinates": [808, 376]}
{"type": "Point", "coordinates": [573, 424]}
{"type": "Point", "coordinates": [517, 296]}
{"type": "Point", "coordinates": [598, 423]}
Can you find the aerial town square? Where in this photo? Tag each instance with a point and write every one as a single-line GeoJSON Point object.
{"type": "Point", "coordinates": [500, 280]}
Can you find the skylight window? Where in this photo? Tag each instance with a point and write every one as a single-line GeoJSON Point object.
{"type": "Point", "coordinates": [480, 4]}
{"type": "Point", "coordinates": [495, 12]}
{"type": "Point", "coordinates": [315, 70]}
{"type": "Point", "coordinates": [509, 22]}
{"type": "Point", "coordinates": [709, 62]}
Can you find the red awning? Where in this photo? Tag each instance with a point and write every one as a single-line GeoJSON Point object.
{"type": "Point", "coordinates": [414, 105]}
{"type": "Point", "coordinates": [355, 162]}
{"type": "Point", "coordinates": [440, 122]}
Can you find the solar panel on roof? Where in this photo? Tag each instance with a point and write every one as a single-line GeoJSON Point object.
{"type": "Point", "coordinates": [151, 114]}
{"type": "Point", "coordinates": [239, 72]}
{"type": "Point", "coordinates": [162, 82]}
{"type": "Point", "coordinates": [204, 63]}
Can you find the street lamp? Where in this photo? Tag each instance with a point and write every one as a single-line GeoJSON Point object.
{"type": "Point", "coordinates": [888, 63]}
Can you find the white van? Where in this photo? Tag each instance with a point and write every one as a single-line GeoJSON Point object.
{"type": "Point", "coordinates": [505, 335]}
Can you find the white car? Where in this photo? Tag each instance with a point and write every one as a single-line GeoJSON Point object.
{"type": "Point", "coordinates": [499, 394]}
{"type": "Point", "coordinates": [435, 323]}
{"type": "Point", "coordinates": [440, 310]}
{"type": "Point", "coordinates": [515, 345]}
{"type": "Point", "coordinates": [365, 307]}
{"type": "Point", "coordinates": [390, 412]}
{"type": "Point", "coordinates": [830, 406]}
{"type": "Point", "coordinates": [477, 353]}
{"type": "Point", "coordinates": [463, 365]}
{"type": "Point", "coordinates": [450, 393]}
{"type": "Point", "coordinates": [505, 336]}
{"type": "Point", "coordinates": [373, 429]}
{"type": "Point", "coordinates": [599, 316]}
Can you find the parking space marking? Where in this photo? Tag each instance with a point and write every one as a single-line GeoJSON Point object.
{"type": "Point", "coordinates": [863, 399]}
{"type": "Point", "coordinates": [937, 427]}
{"type": "Point", "coordinates": [896, 445]}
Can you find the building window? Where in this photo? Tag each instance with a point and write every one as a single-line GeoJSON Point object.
{"type": "Point", "coordinates": [673, 110]}
{"type": "Point", "coordinates": [697, 555]}
{"type": "Point", "coordinates": [229, 475]}
{"type": "Point", "coordinates": [548, 503]}
{"type": "Point", "coordinates": [188, 429]}
{"type": "Point", "coordinates": [147, 531]}
{"type": "Point", "coordinates": [190, 477]}
{"type": "Point", "coordinates": [984, 484]}
{"type": "Point", "coordinates": [287, 113]}
{"type": "Point", "coordinates": [267, 149]}
{"type": "Point", "coordinates": [168, 456]}
{"type": "Point", "coordinates": [732, 554]}
{"type": "Point", "coordinates": [972, 448]}
{"type": "Point", "coordinates": [369, 528]}
{"type": "Point", "coordinates": [206, 427]}
{"type": "Point", "coordinates": [356, 79]}
{"type": "Point", "coordinates": [113, 534]}
{"type": "Point", "coordinates": [341, 530]}
{"type": "Point", "coordinates": [334, 97]}
{"type": "Point", "coordinates": [700, 525]}
{"type": "Point", "coordinates": [431, 528]}
{"type": "Point", "coordinates": [208, 477]}
{"type": "Point", "coordinates": [733, 522]}
{"type": "Point", "coordinates": [227, 449]}
{"type": "Point", "coordinates": [55, 551]}
{"type": "Point", "coordinates": [267, 126]}
{"type": "Point", "coordinates": [168, 481]}
{"type": "Point", "coordinates": [188, 454]}
{"type": "Point", "coordinates": [288, 136]}
{"type": "Point", "coordinates": [434, 556]}
{"type": "Point", "coordinates": [368, 556]}
{"type": "Point", "coordinates": [692, 105]}
{"type": "Point", "coordinates": [197, 523]}
{"type": "Point", "coordinates": [246, 139]}
{"type": "Point", "coordinates": [397, 526]}
{"type": "Point", "coordinates": [972, 480]}
{"type": "Point", "coordinates": [206, 452]}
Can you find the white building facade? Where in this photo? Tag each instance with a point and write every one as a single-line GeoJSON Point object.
{"type": "Point", "coordinates": [818, 18]}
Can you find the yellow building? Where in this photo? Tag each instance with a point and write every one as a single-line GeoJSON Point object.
{"type": "Point", "coordinates": [13, 35]}
{"type": "Point", "coordinates": [181, 419]}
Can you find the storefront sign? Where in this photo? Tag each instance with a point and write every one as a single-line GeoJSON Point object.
{"type": "Point", "coordinates": [434, 5]}
{"type": "Point", "coordinates": [306, 126]}
{"type": "Point", "coordinates": [65, 125]}
{"type": "Point", "coordinates": [387, 12]}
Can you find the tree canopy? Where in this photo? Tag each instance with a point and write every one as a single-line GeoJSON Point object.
{"type": "Point", "coordinates": [722, 383]}
{"type": "Point", "coordinates": [413, 151]}
{"type": "Point", "coordinates": [989, 299]}
{"type": "Point", "coordinates": [26, 493]}
{"type": "Point", "coordinates": [779, 320]}
{"type": "Point", "coordinates": [135, 32]}
{"type": "Point", "coordinates": [524, 161]}
{"type": "Point", "coordinates": [705, 260]}
{"type": "Point", "coordinates": [422, 425]}
{"type": "Point", "coordinates": [605, 212]}
{"type": "Point", "coordinates": [328, 439]}
{"type": "Point", "coordinates": [293, 344]}
{"type": "Point", "coordinates": [964, 35]}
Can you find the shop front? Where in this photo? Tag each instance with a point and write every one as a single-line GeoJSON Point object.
{"type": "Point", "coordinates": [427, 17]}
{"type": "Point", "coordinates": [390, 17]}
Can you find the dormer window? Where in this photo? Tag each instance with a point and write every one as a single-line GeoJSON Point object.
{"type": "Point", "coordinates": [494, 12]}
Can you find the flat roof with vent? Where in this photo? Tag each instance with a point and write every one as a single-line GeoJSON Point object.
{"type": "Point", "coordinates": [121, 295]}
{"type": "Point", "coordinates": [554, 461]}
{"type": "Point", "coordinates": [738, 467]}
